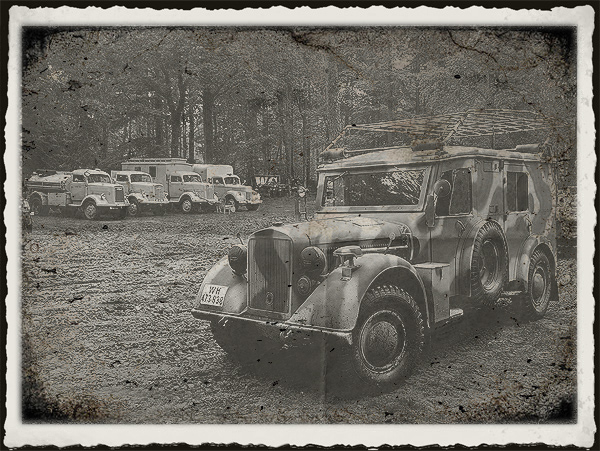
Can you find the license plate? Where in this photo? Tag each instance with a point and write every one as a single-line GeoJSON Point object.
{"type": "Point", "coordinates": [213, 295]}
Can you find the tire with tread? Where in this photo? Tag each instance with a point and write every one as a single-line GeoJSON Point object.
{"type": "Point", "coordinates": [388, 338]}
{"type": "Point", "coordinates": [541, 286]}
{"type": "Point", "coordinates": [90, 210]}
{"type": "Point", "coordinates": [233, 203]}
{"type": "Point", "coordinates": [38, 207]}
{"type": "Point", "coordinates": [186, 206]}
{"type": "Point", "coordinates": [134, 208]}
{"type": "Point", "coordinates": [489, 264]}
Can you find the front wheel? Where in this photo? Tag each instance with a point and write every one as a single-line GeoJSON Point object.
{"type": "Point", "coordinates": [232, 203]}
{"type": "Point", "coordinates": [90, 211]}
{"type": "Point", "coordinates": [38, 208]}
{"type": "Point", "coordinates": [134, 208]}
{"type": "Point", "coordinates": [253, 207]}
{"type": "Point", "coordinates": [186, 206]}
{"type": "Point", "coordinates": [541, 288]}
{"type": "Point", "coordinates": [389, 336]}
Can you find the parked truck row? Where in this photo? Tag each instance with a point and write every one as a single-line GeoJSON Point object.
{"type": "Point", "coordinates": [141, 185]}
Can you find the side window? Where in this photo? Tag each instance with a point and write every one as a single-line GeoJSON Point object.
{"type": "Point", "coordinates": [122, 178]}
{"type": "Point", "coordinates": [218, 180]}
{"type": "Point", "coordinates": [78, 178]}
{"type": "Point", "coordinates": [152, 171]}
{"type": "Point", "coordinates": [175, 179]}
{"type": "Point", "coordinates": [459, 201]}
{"type": "Point", "coordinates": [517, 191]}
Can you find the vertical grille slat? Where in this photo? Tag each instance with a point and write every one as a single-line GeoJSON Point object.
{"type": "Point", "coordinates": [119, 197]}
{"type": "Point", "coordinates": [269, 274]}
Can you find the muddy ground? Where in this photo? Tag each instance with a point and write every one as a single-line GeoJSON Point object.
{"type": "Point", "coordinates": [108, 337]}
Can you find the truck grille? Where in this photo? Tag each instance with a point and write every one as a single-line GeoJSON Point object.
{"type": "Point", "coordinates": [119, 194]}
{"type": "Point", "coordinates": [269, 273]}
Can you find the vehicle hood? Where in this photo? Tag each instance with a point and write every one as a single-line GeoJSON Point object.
{"type": "Point", "coordinates": [103, 188]}
{"type": "Point", "coordinates": [240, 188]}
{"type": "Point", "coordinates": [196, 186]}
{"type": "Point", "coordinates": [339, 230]}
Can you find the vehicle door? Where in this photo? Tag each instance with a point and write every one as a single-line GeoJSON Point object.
{"type": "Point", "coordinates": [452, 213]}
{"type": "Point", "coordinates": [123, 179]}
{"type": "Point", "coordinates": [517, 211]}
{"type": "Point", "coordinates": [220, 188]}
{"type": "Point", "coordinates": [176, 187]}
{"type": "Point", "coordinates": [78, 188]}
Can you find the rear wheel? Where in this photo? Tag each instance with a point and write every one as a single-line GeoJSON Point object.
{"type": "Point", "coordinates": [541, 287]}
{"type": "Point", "coordinates": [90, 211]}
{"type": "Point", "coordinates": [37, 207]}
{"type": "Point", "coordinates": [389, 336]}
{"type": "Point", "coordinates": [186, 205]}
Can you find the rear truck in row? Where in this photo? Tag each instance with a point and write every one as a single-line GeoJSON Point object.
{"type": "Point", "coordinates": [406, 239]}
{"type": "Point", "coordinates": [141, 192]}
{"type": "Point", "coordinates": [90, 191]}
{"type": "Point", "coordinates": [228, 187]}
{"type": "Point", "coordinates": [185, 189]}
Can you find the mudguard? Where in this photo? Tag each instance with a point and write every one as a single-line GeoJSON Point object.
{"type": "Point", "coordinates": [236, 299]}
{"type": "Point", "coordinates": [97, 199]}
{"type": "Point", "coordinates": [237, 195]}
{"type": "Point", "coordinates": [193, 197]}
{"type": "Point", "coordinates": [522, 264]}
{"type": "Point", "coordinates": [138, 196]}
{"type": "Point", "coordinates": [335, 303]}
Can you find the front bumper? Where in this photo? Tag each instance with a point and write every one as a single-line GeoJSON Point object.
{"type": "Point", "coordinates": [288, 333]}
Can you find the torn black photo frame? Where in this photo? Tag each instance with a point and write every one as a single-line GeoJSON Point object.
{"type": "Point", "coordinates": [137, 321]}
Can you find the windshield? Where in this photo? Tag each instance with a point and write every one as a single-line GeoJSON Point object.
{"type": "Point", "coordinates": [399, 187]}
{"type": "Point", "coordinates": [232, 180]}
{"type": "Point", "coordinates": [192, 178]}
{"type": "Point", "coordinates": [98, 178]}
{"type": "Point", "coordinates": [141, 178]}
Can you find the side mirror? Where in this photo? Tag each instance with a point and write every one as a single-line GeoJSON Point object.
{"type": "Point", "coordinates": [442, 188]}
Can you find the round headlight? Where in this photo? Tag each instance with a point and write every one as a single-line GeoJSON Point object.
{"type": "Point", "coordinates": [313, 260]}
{"type": "Point", "coordinates": [237, 259]}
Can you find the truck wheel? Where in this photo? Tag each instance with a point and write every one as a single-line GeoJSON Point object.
{"type": "Point", "coordinates": [186, 206]}
{"type": "Point", "coordinates": [159, 211]}
{"type": "Point", "coordinates": [253, 207]}
{"type": "Point", "coordinates": [38, 208]}
{"type": "Point", "coordinates": [489, 264]}
{"type": "Point", "coordinates": [90, 211]}
{"type": "Point", "coordinates": [233, 205]}
{"type": "Point", "coordinates": [541, 288]}
{"type": "Point", "coordinates": [134, 208]}
{"type": "Point", "coordinates": [242, 342]}
{"type": "Point", "coordinates": [389, 336]}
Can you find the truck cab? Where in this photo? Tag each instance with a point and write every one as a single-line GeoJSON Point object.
{"type": "Point", "coordinates": [406, 239]}
{"type": "Point", "coordinates": [184, 188]}
{"type": "Point", "coordinates": [141, 192]}
{"type": "Point", "coordinates": [90, 191]}
{"type": "Point", "coordinates": [228, 186]}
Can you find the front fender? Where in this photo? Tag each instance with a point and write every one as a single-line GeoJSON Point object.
{"type": "Point", "coordinates": [335, 303]}
{"type": "Point", "coordinates": [193, 196]}
{"type": "Point", "coordinates": [137, 196]}
{"type": "Point", "coordinates": [237, 195]}
{"type": "Point", "coordinates": [221, 274]}
{"type": "Point", "coordinates": [95, 198]}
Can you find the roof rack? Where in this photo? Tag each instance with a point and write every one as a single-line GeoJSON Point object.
{"type": "Point", "coordinates": [429, 132]}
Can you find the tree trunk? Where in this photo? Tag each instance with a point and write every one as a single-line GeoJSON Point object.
{"type": "Point", "coordinates": [208, 100]}
{"type": "Point", "coordinates": [191, 140]}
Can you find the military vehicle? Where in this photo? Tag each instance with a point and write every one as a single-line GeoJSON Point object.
{"type": "Point", "coordinates": [406, 239]}
{"type": "Point", "coordinates": [90, 191]}
{"type": "Point", "coordinates": [141, 192]}
{"type": "Point", "coordinates": [228, 187]}
{"type": "Point", "coordinates": [184, 187]}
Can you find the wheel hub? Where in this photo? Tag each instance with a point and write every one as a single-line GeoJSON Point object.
{"type": "Point", "coordinates": [383, 340]}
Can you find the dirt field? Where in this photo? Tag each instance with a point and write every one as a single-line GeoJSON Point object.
{"type": "Point", "coordinates": [108, 337]}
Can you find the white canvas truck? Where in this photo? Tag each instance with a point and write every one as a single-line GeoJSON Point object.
{"type": "Point", "coordinates": [228, 187]}
{"type": "Point", "coordinates": [141, 192]}
{"type": "Point", "coordinates": [90, 191]}
{"type": "Point", "coordinates": [184, 188]}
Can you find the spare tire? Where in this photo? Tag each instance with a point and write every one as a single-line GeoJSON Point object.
{"type": "Point", "coordinates": [489, 264]}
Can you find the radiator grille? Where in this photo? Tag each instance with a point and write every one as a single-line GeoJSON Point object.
{"type": "Point", "coordinates": [269, 273]}
{"type": "Point", "coordinates": [119, 197]}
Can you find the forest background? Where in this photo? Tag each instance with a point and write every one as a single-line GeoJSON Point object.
{"type": "Point", "coordinates": [268, 100]}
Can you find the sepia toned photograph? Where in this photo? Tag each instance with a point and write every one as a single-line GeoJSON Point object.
{"type": "Point", "coordinates": [313, 224]}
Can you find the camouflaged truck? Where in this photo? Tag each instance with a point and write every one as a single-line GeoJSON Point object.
{"type": "Point", "coordinates": [405, 238]}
